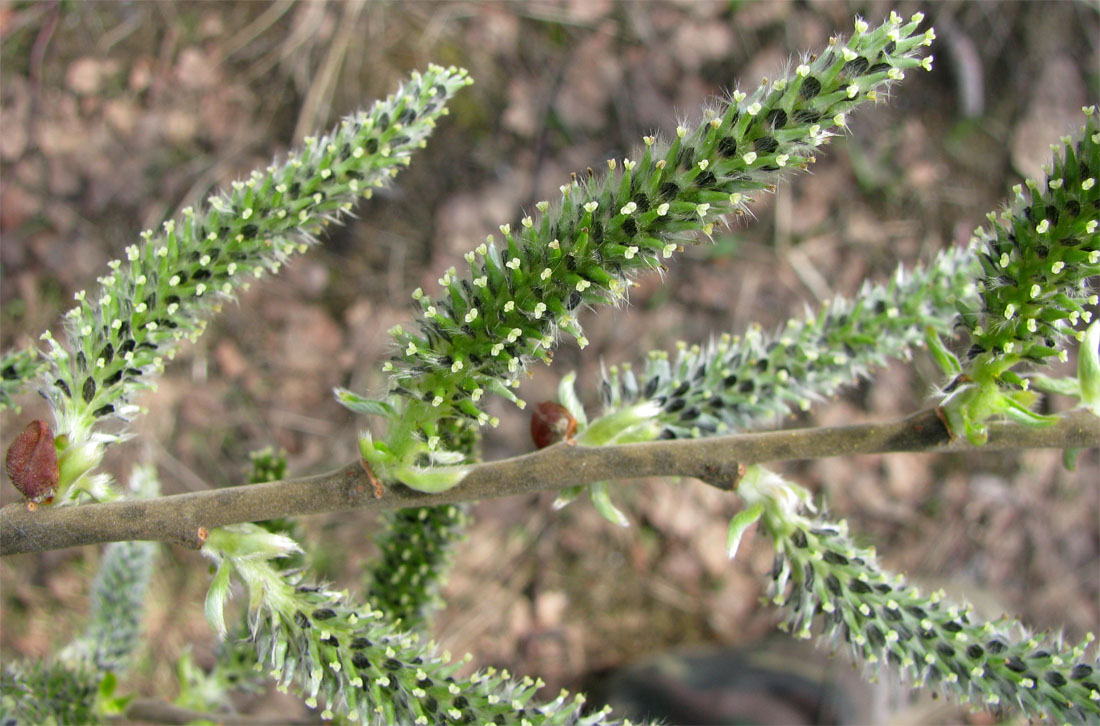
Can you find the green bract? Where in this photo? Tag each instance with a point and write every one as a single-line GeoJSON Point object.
{"type": "Point", "coordinates": [521, 292]}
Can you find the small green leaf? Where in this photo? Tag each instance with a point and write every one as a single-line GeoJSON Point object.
{"type": "Point", "coordinates": [106, 703]}
{"type": "Point", "coordinates": [1088, 368]}
{"type": "Point", "coordinates": [739, 524]}
{"type": "Point", "coordinates": [107, 685]}
{"type": "Point", "coordinates": [367, 406]}
{"type": "Point", "coordinates": [434, 480]}
{"type": "Point", "coordinates": [373, 452]}
{"type": "Point", "coordinates": [602, 501]}
{"type": "Point", "coordinates": [567, 495]}
{"type": "Point", "coordinates": [632, 424]}
{"type": "Point", "coordinates": [1062, 386]}
{"type": "Point", "coordinates": [945, 359]}
{"type": "Point", "coordinates": [215, 599]}
{"type": "Point", "coordinates": [1020, 413]}
{"type": "Point", "coordinates": [567, 396]}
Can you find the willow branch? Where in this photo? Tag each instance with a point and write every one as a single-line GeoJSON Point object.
{"type": "Point", "coordinates": [186, 518]}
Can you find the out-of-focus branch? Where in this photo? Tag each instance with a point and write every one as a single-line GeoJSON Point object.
{"type": "Point", "coordinates": [186, 518]}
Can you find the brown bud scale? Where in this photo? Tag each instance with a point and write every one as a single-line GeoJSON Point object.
{"type": "Point", "coordinates": [32, 462]}
{"type": "Point", "coordinates": [550, 423]}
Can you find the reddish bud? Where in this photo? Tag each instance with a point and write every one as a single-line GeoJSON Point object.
{"type": "Point", "coordinates": [32, 462]}
{"type": "Point", "coordinates": [550, 423]}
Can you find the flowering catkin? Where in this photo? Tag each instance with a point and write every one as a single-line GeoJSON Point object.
{"type": "Point", "coordinates": [1037, 257]}
{"type": "Point", "coordinates": [354, 659]}
{"type": "Point", "coordinates": [520, 293]}
{"type": "Point", "coordinates": [118, 336]}
{"type": "Point", "coordinates": [821, 576]}
{"type": "Point", "coordinates": [738, 382]}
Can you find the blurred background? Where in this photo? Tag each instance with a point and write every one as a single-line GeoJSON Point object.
{"type": "Point", "coordinates": [115, 114]}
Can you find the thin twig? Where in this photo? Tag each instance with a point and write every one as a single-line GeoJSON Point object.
{"type": "Point", "coordinates": [178, 519]}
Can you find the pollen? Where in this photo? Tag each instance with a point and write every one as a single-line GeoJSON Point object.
{"type": "Point", "coordinates": [749, 157]}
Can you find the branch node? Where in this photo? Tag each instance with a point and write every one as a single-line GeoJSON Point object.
{"type": "Point", "coordinates": [724, 476]}
{"type": "Point", "coordinates": [375, 485]}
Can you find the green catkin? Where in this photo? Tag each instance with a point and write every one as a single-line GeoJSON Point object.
{"type": "Point", "coordinates": [737, 383]}
{"type": "Point", "coordinates": [17, 369]}
{"type": "Point", "coordinates": [118, 337]}
{"type": "Point", "coordinates": [117, 607]}
{"type": "Point", "coordinates": [47, 692]}
{"type": "Point", "coordinates": [520, 293]}
{"type": "Point", "coordinates": [1037, 257]}
{"type": "Point", "coordinates": [822, 580]}
{"type": "Point", "coordinates": [415, 554]}
{"type": "Point", "coordinates": [118, 604]}
{"type": "Point", "coordinates": [355, 661]}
